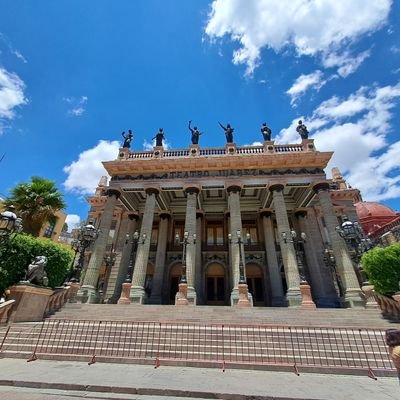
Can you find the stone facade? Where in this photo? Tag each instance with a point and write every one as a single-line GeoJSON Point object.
{"type": "Point", "coordinates": [267, 212]}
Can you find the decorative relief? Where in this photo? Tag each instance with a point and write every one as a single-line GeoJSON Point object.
{"type": "Point", "coordinates": [217, 173]}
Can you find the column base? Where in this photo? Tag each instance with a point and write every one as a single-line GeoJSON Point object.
{"type": "Point", "coordinates": [354, 298]}
{"type": "Point", "coordinates": [306, 298]}
{"type": "Point", "coordinates": [87, 294]}
{"type": "Point", "coordinates": [138, 295]}
{"type": "Point", "coordinates": [181, 296]}
{"type": "Point", "coordinates": [192, 296]}
{"type": "Point", "coordinates": [125, 292]}
{"type": "Point", "coordinates": [293, 297]}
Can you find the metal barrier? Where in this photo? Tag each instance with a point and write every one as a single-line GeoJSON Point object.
{"type": "Point", "coordinates": [335, 348]}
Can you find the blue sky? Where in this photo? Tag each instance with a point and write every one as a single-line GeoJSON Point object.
{"type": "Point", "coordinates": [75, 74]}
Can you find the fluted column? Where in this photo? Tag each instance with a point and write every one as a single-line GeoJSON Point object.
{"type": "Point", "coordinates": [87, 292]}
{"type": "Point", "coordinates": [353, 296]}
{"type": "Point", "coordinates": [293, 294]}
{"type": "Point", "coordinates": [138, 294]}
{"type": "Point", "coordinates": [190, 227]}
{"type": "Point", "coordinates": [159, 269]}
{"type": "Point", "coordinates": [277, 295]}
{"type": "Point", "coordinates": [235, 225]}
{"type": "Point", "coordinates": [126, 255]}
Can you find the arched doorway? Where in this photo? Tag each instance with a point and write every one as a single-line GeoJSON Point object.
{"type": "Point", "coordinates": [215, 283]}
{"type": "Point", "coordinates": [174, 278]}
{"type": "Point", "coordinates": [255, 282]}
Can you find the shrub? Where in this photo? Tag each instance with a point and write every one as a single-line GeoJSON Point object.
{"type": "Point", "coordinates": [382, 265]}
{"type": "Point", "coordinates": [18, 252]}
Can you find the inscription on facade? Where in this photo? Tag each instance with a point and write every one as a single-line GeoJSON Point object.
{"type": "Point", "coordinates": [216, 174]}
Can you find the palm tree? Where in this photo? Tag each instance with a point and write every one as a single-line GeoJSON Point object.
{"type": "Point", "coordinates": [35, 202]}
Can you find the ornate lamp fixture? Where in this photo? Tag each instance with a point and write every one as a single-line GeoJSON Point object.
{"type": "Point", "coordinates": [135, 240]}
{"type": "Point", "coordinates": [184, 244]}
{"type": "Point", "coordinates": [9, 223]}
{"type": "Point", "coordinates": [86, 236]}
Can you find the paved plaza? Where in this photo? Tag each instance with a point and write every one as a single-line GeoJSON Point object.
{"type": "Point", "coordinates": [49, 380]}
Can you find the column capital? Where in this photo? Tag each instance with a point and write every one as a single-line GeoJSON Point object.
{"type": "Point", "coordinates": [164, 214]}
{"type": "Point", "coordinates": [320, 186]}
{"type": "Point", "coordinates": [152, 190]}
{"type": "Point", "coordinates": [133, 216]}
{"type": "Point", "coordinates": [266, 212]}
{"type": "Point", "coordinates": [301, 213]}
{"type": "Point", "coordinates": [233, 188]}
{"type": "Point", "coordinates": [191, 189]}
{"type": "Point", "coordinates": [276, 187]}
{"type": "Point", "coordinates": [113, 192]}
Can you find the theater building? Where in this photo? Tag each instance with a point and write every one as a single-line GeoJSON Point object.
{"type": "Point", "coordinates": [264, 213]}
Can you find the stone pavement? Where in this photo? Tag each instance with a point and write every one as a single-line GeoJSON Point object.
{"type": "Point", "coordinates": [43, 379]}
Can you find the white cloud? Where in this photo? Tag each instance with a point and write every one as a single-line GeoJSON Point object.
{"type": "Point", "coordinates": [310, 27]}
{"type": "Point", "coordinates": [85, 173]}
{"type": "Point", "coordinates": [356, 130]}
{"type": "Point", "coordinates": [72, 221]}
{"type": "Point", "coordinates": [305, 82]}
{"type": "Point", "coordinates": [77, 105]}
{"type": "Point", "coordinates": [11, 95]}
{"type": "Point", "coordinates": [346, 62]}
{"type": "Point", "coordinates": [20, 56]}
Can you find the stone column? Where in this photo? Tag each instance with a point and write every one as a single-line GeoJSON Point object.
{"type": "Point", "coordinates": [235, 225]}
{"type": "Point", "coordinates": [293, 294]}
{"type": "Point", "coordinates": [277, 295]}
{"type": "Point", "coordinates": [320, 281]}
{"type": "Point", "coordinates": [353, 296]}
{"type": "Point", "coordinates": [138, 294]}
{"type": "Point", "coordinates": [159, 269]}
{"type": "Point", "coordinates": [88, 290]}
{"type": "Point", "coordinates": [198, 272]}
{"type": "Point", "coordinates": [190, 227]}
{"type": "Point", "coordinates": [125, 257]}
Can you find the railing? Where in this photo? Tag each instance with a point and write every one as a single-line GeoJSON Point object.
{"type": "Point", "coordinates": [241, 150]}
{"type": "Point", "coordinates": [57, 299]}
{"type": "Point", "coordinates": [390, 307]}
{"type": "Point", "coordinates": [332, 349]}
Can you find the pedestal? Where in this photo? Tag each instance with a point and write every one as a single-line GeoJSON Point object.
{"type": "Point", "coordinates": [243, 296]}
{"type": "Point", "coordinates": [371, 303]}
{"type": "Point", "coordinates": [30, 302]}
{"type": "Point", "coordinates": [306, 298]}
{"type": "Point", "coordinates": [125, 292]}
{"type": "Point", "coordinates": [181, 296]}
{"type": "Point", "coordinates": [73, 291]}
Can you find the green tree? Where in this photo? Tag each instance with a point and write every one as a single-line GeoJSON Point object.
{"type": "Point", "coordinates": [22, 249]}
{"type": "Point", "coordinates": [35, 202]}
{"type": "Point", "coordinates": [382, 265]}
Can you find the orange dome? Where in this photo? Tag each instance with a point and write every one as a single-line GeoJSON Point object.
{"type": "Point", "coordinates": [371, 209]}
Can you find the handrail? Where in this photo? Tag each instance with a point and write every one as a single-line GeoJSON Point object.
{"type": "Point", "coordinates": [327, 348]}
{"type": "Point", "coordinates": [5, 310]}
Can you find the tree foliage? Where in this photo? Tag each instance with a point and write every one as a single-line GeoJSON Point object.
{"type": "Point", "coordinates": [382, 264]}
{"type": "Point", "coordinates": [18, 252]}
{"type": "Point", "coordinates": [35, 202]}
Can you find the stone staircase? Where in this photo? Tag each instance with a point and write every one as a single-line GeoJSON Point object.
{"type": "Point", "coordinates": [323, 340]}
{"type": "Point", "coordinates": [335, 317]}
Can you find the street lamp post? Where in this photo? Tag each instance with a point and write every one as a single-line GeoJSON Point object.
{"type": "Point", "coordinates": [9, 223]}
{"type": "Point", "coordinates": [298, 245]}
{"type": "Point", "coordinates": [86, 236]}
{"type": "Point", "coordinates": [242, 284]}
{"type": "Point", "coordinates": [357, 243]}
{"type": "Point", "coordinates": [181, 298]}
{"type": "Point", "coordinates": [132, 256]}
{"type": "Point", "coordinates": [330, 262]}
